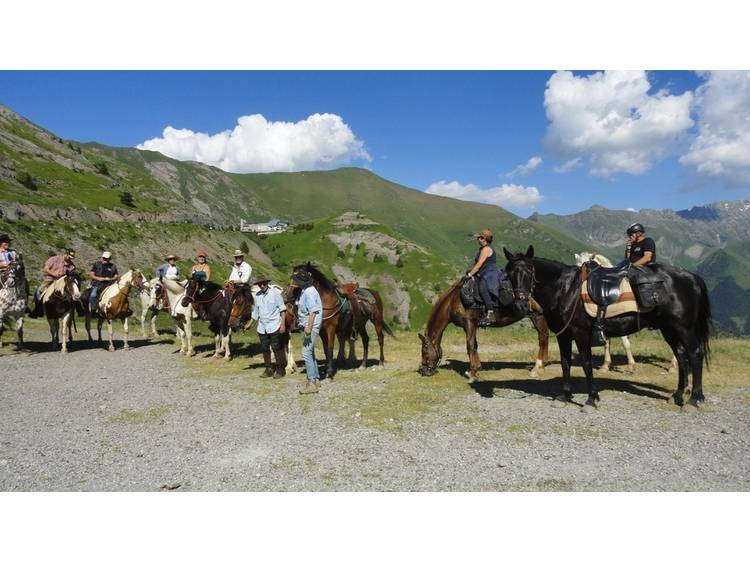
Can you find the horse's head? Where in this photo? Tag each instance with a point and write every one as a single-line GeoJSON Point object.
{"type": "Point", "coordinates": [72, 286]}
{"type": "Point", "coordinates": [520, 270]}
{"type": "Point", "coordinates": [136, 279]}
{"type": "Point", "coordinates": [192, 290]}
{"type": "Point", "coordinates": [242, 308]}
{"type": "Point", "coordinates": [431, 355]}
{"type": "Point", "coordinates": [155, 295]}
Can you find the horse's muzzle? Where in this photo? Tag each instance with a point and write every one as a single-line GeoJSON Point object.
{"type": "Point", "coordinates": [426, 371]}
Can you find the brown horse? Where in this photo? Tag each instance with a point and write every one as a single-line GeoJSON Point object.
{"type": "Point", "coordinates": [334, 313]}
{"type": "Point", "coordinates": [368, 307]}
{"type": "Point", "coordinates": [450, 310]}
{"type": "Point", "coordinates": [113, 304]}
{"type": "Point", "coordinates": [60, 300]}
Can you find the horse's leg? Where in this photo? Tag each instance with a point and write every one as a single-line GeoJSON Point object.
{"type": "Point", "coordinates": [381, 339]}
{"type": "Point", "coordinates": [681, 356]}
{"type": "Point", "coordinates": [565, 343]}
{"type": "Point", "coordinates": [189, 333]}
{"type": "Point", "coordinates": [19, 333]}
{"type": "Point", "coordinates": [2, 329]}
{"type": "Point", "coordinates": [154, 333]}
{"type": "Point", "coordinates": [87, 324]}
{"type": "Point", "coordinates": [53, 331]}
{"type": "Point", "coordinates": [110, 331]}
{"type": "Point", "coordinates": [179, 328]}
{"type": "Point", "coordinates": [584, 352]}
{"type": "Point", "coordinates": [65, 328]}
{"type": "Point", "coordinates": [330, 335]}
{"type": "Point", "coordinates": [631, 360]}
{"type": "Point", "coordinates": [99, 322]}
{"type": "Point", "coordinates": [217, 345]}
{"type": "Point", "coordinates": [226, 342]}
{"type": "Point", "coordinates": [125, 333]}
{"type": "Point", "coordinates": [607, 366]}
{"type": "Point", "coordinates": [291, 366]}
{"type": "Point", "coordinates": [673, 367]}
{"type": "Point", "coordinates": [144, 313]}
{"type": "Point", "coordinates": [695, 357]}
{"type": "Point", "coordinates": [542, 355]}
{"type": "Point", "coordinates": [352, 358]}
{"type": "Point", "coordinates": [365, 346]}
{"type": "Point", "coordinates": [471, 349]}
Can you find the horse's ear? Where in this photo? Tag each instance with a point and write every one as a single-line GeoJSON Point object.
{"type": "Point", "coordinates": [508, 255]}
{"type": "Point", "coordinates": [421, 337]}
{"type": "Point", "coordinates": [530, 252]}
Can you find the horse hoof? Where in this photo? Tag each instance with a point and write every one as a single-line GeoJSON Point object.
{"type": "Point", "coordinates": [588, 408]}
{"type": "Point", "coordinates": [690, 407]}
{"type": "Point", "coordinates": [534, 373]}
{"type": "Point", "coordinates": [559, 403]}
{"type": "Point", "coordinates": [228, 358]}
{"type": "Point", "coordinates": [191, 354]}
{"type": "Point", "coordinates": [110, 348]}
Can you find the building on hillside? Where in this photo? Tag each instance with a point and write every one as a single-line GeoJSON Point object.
{"type": "Point", "coordinates": [274, 226]}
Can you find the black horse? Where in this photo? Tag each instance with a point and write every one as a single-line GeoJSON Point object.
{"type": "Point", "coordinates": [684, 320]}
{"type": "Point", "coordinates": [213, 303]}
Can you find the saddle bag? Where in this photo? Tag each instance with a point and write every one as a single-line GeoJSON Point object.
{"type": "Point", "coordinates": [651, 293]}
{"type": "Point", "coordinates": [470, 294]}
{"type": "Point", "coordinates": [505, 293]}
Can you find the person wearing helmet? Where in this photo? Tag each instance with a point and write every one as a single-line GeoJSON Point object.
{"type": "Point", "coordinates": [639, 250]}
{"type": "Point", "coordinates": [103, 273]}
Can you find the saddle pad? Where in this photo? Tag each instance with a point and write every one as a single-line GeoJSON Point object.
{"type": "Point", "coordinates": [50, 290]}
{"type": "Point", "coordinates": [626, 302]}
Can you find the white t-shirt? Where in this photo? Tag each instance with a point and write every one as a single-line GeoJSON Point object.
{"type": "Point", "coordinates": [172, 273]}
{"type": "Point", "coordinates": [241, 273]}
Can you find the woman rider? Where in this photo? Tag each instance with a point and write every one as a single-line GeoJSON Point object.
{"type": "Point", "coordinates": [485, 269]}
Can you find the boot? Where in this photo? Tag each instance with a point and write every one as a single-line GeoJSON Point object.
{"type": "Point", "coordinates": [488, 319]}
{"type": "Point", "coordinates": [598, 338]}
{"type": "Point", "coordinates": [311, 387]}
{"type": "Point", "coordinates": [280, 356]}
{"type": "Point", "coordinates": [38, 311]}
{"type": "Point", "coordinates": [268, 373]}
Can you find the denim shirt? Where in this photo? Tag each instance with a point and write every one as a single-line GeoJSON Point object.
{"type": "Point", "coordinates": [309, 301]}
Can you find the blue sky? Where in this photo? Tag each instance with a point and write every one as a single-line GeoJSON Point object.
{"type": "Point", "coordinates": [468, 130]}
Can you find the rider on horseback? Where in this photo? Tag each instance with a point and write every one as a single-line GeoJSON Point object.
{"type": "Point", "coordinates": [201, 270]}
{"type": "Point", "coordinates": [485, 269]}
{"type": "Point", "coordinates": [169, 270]}
{"type": "Point", "coordinates": [54, 268]}
{"type": "Point", "coordinates": [639, 250]}
{"type": "Point", "coordinates": [241, 270]}
{"type": "Point", "coordinates": [103, 273]}
{"type": "Point", "coordinates": [7, 254]}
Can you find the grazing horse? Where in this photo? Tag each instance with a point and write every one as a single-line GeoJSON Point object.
{"type": "Point", "coordinates": [113, 304]}
{"type": "Point", "coordinates": [334, 313]}
{"type": "Point", "coordinates": [60, 299]}
{"type": "Point", "coordinates": [241, 312]}
{"type": "Point", "coordinates": [369, 309]}
{"type": "Point", "coordinates": [604, 262]}
{"type": "Point", "coordinates": [171, 292]}
{"type": "Point", "coordinates": [684, 319]}
{"type": "Point", "coordinates": [213, 302]}
{"type": "Point", "coordinates": [449, 309]}
{"type": "Point", "coordinates": [14, 292]}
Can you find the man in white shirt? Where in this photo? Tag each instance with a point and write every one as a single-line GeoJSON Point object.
{"type": "Point", "coordinates": [269, 311]}
{"type": "Point", "coordinates": [241, 270]}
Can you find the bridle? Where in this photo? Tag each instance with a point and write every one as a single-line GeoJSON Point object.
{"type": "Point", "coordinates": [192, 298]}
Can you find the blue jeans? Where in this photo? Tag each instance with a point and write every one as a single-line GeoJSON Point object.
{"type": "Point", "coordinates": [308, 354]}
{"type": "Point", "coordinates": [93, 296]}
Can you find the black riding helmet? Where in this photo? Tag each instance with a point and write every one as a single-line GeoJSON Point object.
{"type": "Point", "coordinates": [635, 227]}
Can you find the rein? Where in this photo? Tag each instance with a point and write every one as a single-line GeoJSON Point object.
{"type": "Point", "coordinates": [194, 300]}
{"type": "Point", "coordinates": [577, 297]}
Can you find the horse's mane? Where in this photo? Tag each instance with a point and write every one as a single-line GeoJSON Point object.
{"type": "Point", "coordinates": [212, 286]}
{"type": "Point", "coordinates": [318, 276]}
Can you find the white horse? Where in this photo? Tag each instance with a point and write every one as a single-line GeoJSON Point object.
{"type": "Point", "coordinates": [114, 304]}
{"type": "Point", "coordinates": [13, 294]}
{"type": "Point", "coordinates": [144, 295]}
{"type": "Point", "coordinates": [604, 262]}
{"type": "Point", "coordinates": [182, 315]}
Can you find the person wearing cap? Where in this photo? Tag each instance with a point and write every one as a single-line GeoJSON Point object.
{"type": "Point", "coordinates": [310, 313]}
{"type": "Point", "coordinates": [7, 254]}
{"type": "Point", "coordinates": [103, 273]}
{"type": "Point", "coordinates": [169, 270]}
{"type": "Point", "coordinates": [269, 311]}
{"type": "Point", "coordinates": [639, 250]}
{"type": "Point", "coordinates": [201, 270]}
{"type": "Point", "coordinates": [488, 275]}
{"type": "Point", "coordinates": [54, 268]}
{"type": "Point", "coordinates": [241, 270]}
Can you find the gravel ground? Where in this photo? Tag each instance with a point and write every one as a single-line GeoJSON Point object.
{"type": "Point", "coordinates": [149, 420]}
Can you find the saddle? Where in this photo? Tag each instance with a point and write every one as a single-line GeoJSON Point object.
{"type": "Point", "coordinates": [471, 298]}
{"type": "Point", "coordinates": [604, 282]}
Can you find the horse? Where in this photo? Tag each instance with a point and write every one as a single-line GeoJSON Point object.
{"type": "Point", "coordinates": [449, 309]}
{"type": "Point", "coordinates": [684, 320]}
{"type": "Point", "coordinates": [213, 302]}
{"type": "Point", "coordinates": [14, 292]}
{"type": "Point", "coordinates": [630, 368]}
{"type": "Point", "coordinates": [144, 295]}
{"type": "Point", "coordinates": [334, 304]}
{"type": "Point", "coordinates": [369, 309]}
{"type": "Point", "coordinates": [113, 304]}
{"type": "Point", "coordinates": [59, 302]}
{"type": "Point", "coordinates": [241, 311]}
{"type": "Point", "coordinates": [172, 292]}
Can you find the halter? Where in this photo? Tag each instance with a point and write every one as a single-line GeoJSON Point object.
{"type": "Point", "coordinates": [194, 300]}
{"type": "Point", "coordinates": [520, 294]}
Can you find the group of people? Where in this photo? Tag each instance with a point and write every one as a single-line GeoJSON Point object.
{"type": "Point", "coordinates": [640, 250]}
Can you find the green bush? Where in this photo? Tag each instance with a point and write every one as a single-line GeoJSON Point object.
{"type": "Point", "coordinates": [126, 198]}
{"type": "Point", "coordinates": [102, 168]}
{"type": "Point", "coordinates": [26, 180]}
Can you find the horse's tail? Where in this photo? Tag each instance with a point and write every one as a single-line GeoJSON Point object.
{"type": "Point", "coordinates": [388, 331]}
{"type": "Point", "coordinates": [704, 323]}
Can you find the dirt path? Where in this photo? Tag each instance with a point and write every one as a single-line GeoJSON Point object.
{"type": "Point", "coordinates": [149, 420]}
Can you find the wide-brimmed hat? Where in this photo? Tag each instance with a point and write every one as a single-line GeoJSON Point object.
{"type": "Point", "coordinates": [106, 255]}
{"type": "Point", "coordinates": [201, 255]}
{"type": "Point", "coordinates": [261, 279]}
{"type": "Point", "coordinates": [239, 254]}
{"type": "Point", "coordinates": [71, 252]}
{"type": "Point", "coordinates": [171, 257]}
{"type": "Point", "coordinates": [5, 238]}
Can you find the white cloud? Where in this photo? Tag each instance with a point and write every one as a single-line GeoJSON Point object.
{"type": "Point", "coordinates": [568, 165]}
{"type": "Point", "coordinates": [506, 195]}
{"type": "Point", "coordinates": [321, 141]}
{"type": "Point", "coordinates": [523, 169]}
{"type": "Point", "coordinates": [722, 147]}
{"type": "Point", "coordinates": [610, 120]}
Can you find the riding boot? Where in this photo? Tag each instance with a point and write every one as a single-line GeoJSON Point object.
{"type": "Point", "coordinates": [598, 338]}
{"type": "Point", "coordinates": [268, 373]}
{"type": "Point", "coordinates": [280, 355]}
{"type": "Point", "coordinates": [38, 311]}
{"type": "Point", "coordinates": [488, 319]}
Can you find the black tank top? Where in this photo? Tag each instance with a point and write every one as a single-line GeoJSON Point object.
{"type": "Point", "coordinates": [489, 263]}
